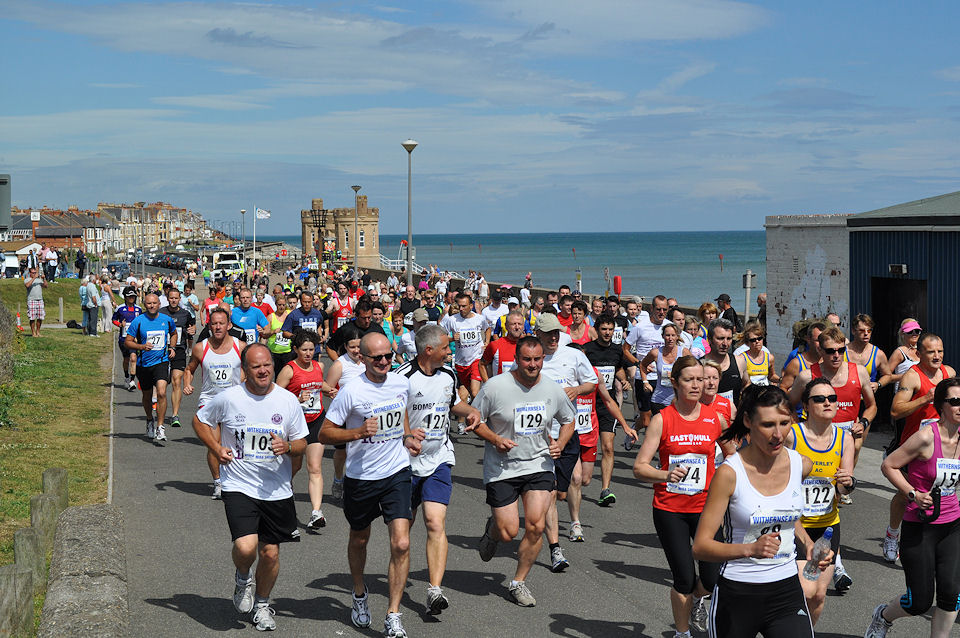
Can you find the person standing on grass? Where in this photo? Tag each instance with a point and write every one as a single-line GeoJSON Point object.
{"type": "Point", "coordinates": [35, 308]}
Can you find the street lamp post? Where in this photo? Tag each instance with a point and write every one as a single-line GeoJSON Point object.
{"type": "Point", "coordinates": [409, 145]}
{"type": "Point", "coordinates": [243, 246]}
{"type": "Point", "coordinates": [356, 237]}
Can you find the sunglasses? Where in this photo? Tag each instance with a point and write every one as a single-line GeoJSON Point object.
{"type": "Point", "coordinates": [823, 398]}
{"type": "Point", "coordinates": [754, 339]}
{"type": "Point", "coordinates": [953, 401]}
{"type": "Point", "coordinates": [914, 332]}
{"type": "Point", "coordinates": [379, 357]}
{"type": "Point", "coordinates": [832, 351]}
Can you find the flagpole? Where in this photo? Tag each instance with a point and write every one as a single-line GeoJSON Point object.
{"type": "Point", "coordinates": [255, 215]}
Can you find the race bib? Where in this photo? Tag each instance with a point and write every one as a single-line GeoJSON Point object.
{"type": "Point", "coordinates": [436, 421]}
{"type": "Point", "coordinates": [696, 479]}
{"type": "Point", "coordinates": [759, 379]}
{"type": "Point", "coordinates": [584, 418]}
{"type": "Point", "coordinates": [845, 425]}
{"type": "Point", "coordinates": [948, 474]}
{"type": "Point", "coordinates": [617, 335]}
{"type": "Point", "coordinates": [818, 494]}
{"type": "Point", "coordinates": [309, 324]}
{"type": "Point", "coordinates": [529, 419]}
{"type": "Point", "coordinates": [607, 373]}
{"type": "Point", "coordinates": [222, 375]}
{"type": "Point", "coordinates": [254, 444]}
{"type": "Point", "coordinates": [778, 521]}
{"type": "Point", "coordinates": [157, 339]}
{"type": "Point", "coordinates": [250, 335]}
{"type": "Point", "coordinates": [341, 321]}
{"type": "Point", "coordinates": [126, 326]}
{"type": "Point", "coordinates": [470, 337]}
{"type": "Point", "coordinates": [389, 415]}
{"type": "Point", "coordinates": [180, 336]}
{"type": "Point", "coordinates": [314, 402]}
{"type": "Point", "coordinates": [728, 395]}
{"type": "Point", "coordinates": [281, 341]}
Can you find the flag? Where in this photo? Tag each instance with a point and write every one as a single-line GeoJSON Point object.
{"type": "Point", "coordinates": [262, 214]}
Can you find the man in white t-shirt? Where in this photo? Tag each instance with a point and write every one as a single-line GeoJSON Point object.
{"type": "Point", "coordinates": [492, 313]}
{"type": "Point", "coordinates": [261, 427]}
{"type": "Point", "coordinates": [433, 398]}
{"type": "Point", "coordinates": [370, 415]}
{"type": "Point", "coordinates": [467, 328]}
{"type": "Point", "coordinates": [646, 336]}
{"type": "Point", "coordinates": [407, 349]}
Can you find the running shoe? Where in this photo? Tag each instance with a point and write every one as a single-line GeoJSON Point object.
{"type": "Point", "coordinates": [436, 601]}
{"type": "Point", "coordinates": [316, 520]}
{"type": "Point", "coordinates": [217, 491]}
{"type": "Point", "coordinates": [243, 597]}
{"type": "Point", "coordinates": [161, 433]}
{"type": "Point", "coordinates": [607, 498]}
{"type": "Point", "coordinates": [175, 422]}
{"type": "Point", "coordinates": [628, 442]}
{"type": "Point", "coordinates": [360, 614]}
{"type": "Point", "coordinates": [878, 626]}
{"type": "Point", "coordinates": [461, 428]}
{"type": "Point", "coordinates": [845, 499]}
{"type": "Point", "coordinates": [151, 430]}
{"type": "Point", "coordinates": [393, 627]}
{"type": "Point", "coordinates": [576, 532]}
{"type": "Point", "coordinates": [841, 580]}
{"type": "Point", "coordinates": [521, 595]}
{"type": "Point", "coordinates": [263, 617]}
{"type": "Point", "coordinates": [698, 615]}
{"type": "Point", "coordinates": [891, 548]}
{"type": "Point", "coordinates": [132, 385]}
{"type": "Point", "coordinates": [337, 491]}
{"type": "Point", "coordinates": [488, 544]}
{"type": "Point", "coordinates": [559, 562]}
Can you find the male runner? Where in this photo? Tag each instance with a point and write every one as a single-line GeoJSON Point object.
{"type": "Point", "coordinates": [467, 328]}
{"type": "Point", "coordinates": [644, 337]}
{"type": "Point", "coordinates": [305, 317]}
{"type": "Point", "coordinates": [154, 337]}
{"type": "Point", "coordinates": [370, 416]}
{"type": "Point", "coordinates": [363, 319]}
{"type": "Point", "coordinates": [261, 428]}
{"type": "Point", "coordinates": [491, 314]}
{"type": "Point", "coordinates": [517, 409]}
{"type": "Point", "coordinates": [218, 356]}
{"type": "Point", "coordinates": [432, 399]}
{"type": "Point", "coordinates": [500, 353]}
{"type": "Point", "coordinates": [186, 328]}
{"type": "Point", "coordinates": [122, 318]}
{"type": "Point", "coordinates": [250, 319]}
{"type": "Point", "coordinates": [733, 371]}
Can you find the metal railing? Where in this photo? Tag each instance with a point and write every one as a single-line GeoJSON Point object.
{"type": "Point", "coordinates": [399, 264]}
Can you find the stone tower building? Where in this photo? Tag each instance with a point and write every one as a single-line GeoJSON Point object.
{"type": "Point", "coordinates": [330, 230]}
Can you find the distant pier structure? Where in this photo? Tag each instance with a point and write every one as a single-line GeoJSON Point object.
{"type": "Point", "coordinates": [891, 263]}
{"type": "Point", "coordinates": [332, 229]}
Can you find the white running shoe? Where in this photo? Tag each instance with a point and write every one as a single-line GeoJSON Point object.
{"type": "Point", "coordinates": [521, 595]}
{"type": "Point", "coordinates": [878, 626]}
{"type": "Point", "coordinates": [891, 548]}
{"type": "Point", "coordinates": [360, 614]}
{"type": "Point", "coordinates": [151, 430]}
{"type": "Point", "coordinates": [316, 520]}
{"type": "Point", "coordinates": [576, 532]}
{"type": "Point", "coordinates": [393, 627]}
{"type": "Point", "coordinates": [243, 597]}
{"type": "Point", "coordinates": [263, 618]}
{"type": "Point", "coordinates": [436, 601]}
{"type": "Point", "coordinates": [217, 491]}
{"type": "Point", "coordinates": [559, 562]}
{"type": "Point", "coordinates": [841, 579]}
{"type": "Point", "coordinates": [698, 615]}
{"type": "Point", "coordinates": [161, 433]}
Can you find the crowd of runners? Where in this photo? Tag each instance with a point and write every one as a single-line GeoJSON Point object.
{"type": "Point", "coordinates": [750, 458]}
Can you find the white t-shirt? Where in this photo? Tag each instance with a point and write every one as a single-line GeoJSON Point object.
{"type": "Point", "coordinates": [567, 367]}
{"type": "Point", "coordinates": [407, 346]}
{"type": "Point", "coordinates": [642, 339]}
{"type": "Point", "coordinates": [430, 399]}
{"type": "Point", "coordinates": [383, 454]}
{"type": "Point", "coordinates": [525, 296]}
{"type": "Point", "coordinates": [491, 314]}
{"type": "Point", "coordinates": [470, 346]}
{"type": "Point", "coordinates": [246, 421]}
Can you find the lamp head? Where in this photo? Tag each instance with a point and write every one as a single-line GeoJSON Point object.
{"type": "Point", "coordinates": [356, 188]}
{"type": "Point", "coordinates": [409, 145]}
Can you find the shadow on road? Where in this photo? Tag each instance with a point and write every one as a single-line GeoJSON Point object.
{"type": "Point", "coordinates": [216, 613]}
{"type": "Point", "coordinates": [575, 627]}
{"type": "Point", "coordinates": [202, 489]}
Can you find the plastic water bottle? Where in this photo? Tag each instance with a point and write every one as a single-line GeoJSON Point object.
{"type": "Point", "coordinates": [811, 571]}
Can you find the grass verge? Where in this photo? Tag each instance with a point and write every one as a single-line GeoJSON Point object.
{"type": "Point", "coordinates": [13, 292]}
{"type": "Point", "coordinates": [58, 405]}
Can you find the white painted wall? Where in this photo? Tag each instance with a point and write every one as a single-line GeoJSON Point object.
{"type": "Point", "coordinates": [808, 259]}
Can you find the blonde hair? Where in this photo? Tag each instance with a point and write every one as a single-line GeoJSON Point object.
{"type": "Point", "coordinates": [901, 335]}
{"type": "Point", "coordinates": [706, 307]}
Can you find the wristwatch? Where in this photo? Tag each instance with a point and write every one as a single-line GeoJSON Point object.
{"type": "Point", "coordinates": [912, 495]}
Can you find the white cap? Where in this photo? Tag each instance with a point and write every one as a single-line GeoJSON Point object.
{"type": "Point", "coordinates": [513, 300]}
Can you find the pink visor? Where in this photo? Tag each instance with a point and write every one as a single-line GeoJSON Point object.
{"type": "Point", "coordinates": [910, 326]}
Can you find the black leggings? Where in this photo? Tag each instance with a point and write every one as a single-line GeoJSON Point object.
{"type": "Point", "coordinates": [930, 554]}
{"type": "Point", "coordinates": [742, 610]}
{"type": "Point", "coordinates": [675, 531]}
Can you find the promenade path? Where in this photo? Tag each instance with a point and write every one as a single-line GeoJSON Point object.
{"type": "Point", "coordinates": [181, 575]}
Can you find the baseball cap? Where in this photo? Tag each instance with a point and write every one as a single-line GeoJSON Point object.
{"type": "Point", "coordinates": [329, 290]}
{"type": "Point", "coordinates": [513, 300]}
{"type": "Point", "coordinates": [420, 315]}
{"type": "Point", "coordinates": [548, 322]}
{"type": "Point", "coordinates": [724, 298]}
{"type": "Point", "coordinates": [371, 287]}
{"type": "Point", "coordinates": [129, 291]}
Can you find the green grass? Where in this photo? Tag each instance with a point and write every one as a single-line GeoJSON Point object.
{"type": "Point", "coordinates": [13, 293]}
{"type": "Point", "coordinates": [58, 406]}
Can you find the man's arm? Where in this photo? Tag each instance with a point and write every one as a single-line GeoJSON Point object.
{"type": "Point", "coordinates": [866, 394]}
{"type": "Point", "coordinates": [790, 374]}
{"type": "Point", "coordinates": [903, 406]}
{"type": "Point", "coordinates": [196, 353]}
{"type": "Point", "coordinates": [796, 388]}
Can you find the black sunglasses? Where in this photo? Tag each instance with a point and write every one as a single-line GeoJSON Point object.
{"type": "Point", "coordinates": [954, 401]}
{"type": "Point", "coordinates": [379, 357]}
{"type": "Point", "coordinates": [840, 350]}
{"type": "Point", "coordinates": [754, 339]}
{"type": "Point", "coordinates": [821, 398]}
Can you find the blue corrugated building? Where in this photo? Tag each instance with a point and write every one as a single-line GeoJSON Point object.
{"type": "Point", "coordinates": [905, 262]}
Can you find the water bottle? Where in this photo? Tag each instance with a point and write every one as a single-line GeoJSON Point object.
{"type": "Point", "coordinates": [811, 571]}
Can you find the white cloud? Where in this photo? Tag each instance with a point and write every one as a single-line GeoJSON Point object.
{"type": "Point", "coordinates": [951, 74]}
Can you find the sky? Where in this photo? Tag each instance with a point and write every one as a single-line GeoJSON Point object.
{"type": "Point", "coordinates": [610, 115]}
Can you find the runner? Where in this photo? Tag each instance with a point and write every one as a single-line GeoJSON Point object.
{"type": "Point", "coordinates": [344, 369]}
{"type": "Point", "coordinates": [154, 337]}
{"type": "Point", "coordinates": [861, 351]}
{"type": "Point", "coordinates": [711, 382]}
{"type": "Point", "coordinates": [500, 353]}
{"type": "Point", "coordinates": [431, 401]}
{"type": "Point", "coordinates": [306, 317]}
{"type": "Point", "coordinates": [579, 330]}
{"type": "Point", "coordinates": [340, 307]}
{"type": "Point", "coordinates": [831, 451]}
{"type": "Point", "coordinates": [304, 378]}
{"type": "Point", "coordinates": [914, 403]}
{"type": "Point", "coordinates": [571, 370]}
{"type": "Point", "coordinates": [122, 318]}
{"type": "Point", "coordinates": [852, 383]}
{"type": "Point", "coordinates": [363, 320]}
{"type": "Point", "coordinates": [733, 375]}
{"type": "Point", "coordinates": [663, 359]}
{"type": "Point", "coordinates": [801, 358]}
{"type": "Point", "coordinates": [370, 416]}
{"type": "Point", "coordinates": [249, 319]}
{"type": "Point", "coordinates": [926, 470]}
{"type": "Point", "coordinates": [278, 343]}
{"type": "Point", "coordinates": [756, 360]}
{"type": "Point", "coordinates": [639, 341]}
{"type": "Point", "coordinates": [684, 436]}
{"type": "Point", "coordinates": [609, 361]}
{"type": "Point", "coordinates": [758, 491]}
{"type": "Point", "coordinates": [518, 459]}
{"type": "Point", "coordinates": [259, 426]}
{"type": "Point", "coordinates": [218, 357]}
{"type": "Point", "coordinates": [467, 328]}
{"type": "Point", "coordinates": [186, 328]}
{"type": "Point", "coordinates": [490, 314]}
{"type": "Point", "coordinates": [407, 348]}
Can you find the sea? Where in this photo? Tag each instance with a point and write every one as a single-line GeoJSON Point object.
{"type": "Point", "coordinates": [692, 266]}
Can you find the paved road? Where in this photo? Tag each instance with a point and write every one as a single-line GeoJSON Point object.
{"type": "Point", "coordinates": [181, 576]}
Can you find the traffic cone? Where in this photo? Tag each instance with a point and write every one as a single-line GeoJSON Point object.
{"type": "Point", "coordinates": [19, 323]}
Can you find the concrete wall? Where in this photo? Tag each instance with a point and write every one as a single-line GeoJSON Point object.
{"type": "Point", "coordinates": [808, 259]}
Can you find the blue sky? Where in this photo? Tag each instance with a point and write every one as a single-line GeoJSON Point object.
{"type": "Point", "coordinates": [531, 115]}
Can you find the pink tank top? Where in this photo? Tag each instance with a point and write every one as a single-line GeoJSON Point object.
{"type": "Point", "coordinates": [944, 472]}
